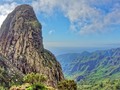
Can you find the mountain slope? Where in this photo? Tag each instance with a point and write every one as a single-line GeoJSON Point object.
{"type": "Point", "coordinates": [21, 43]}
{"type": "Point", "coordinates": [92, 66]}
{"type": "Point", "coordinates": [9, 73]}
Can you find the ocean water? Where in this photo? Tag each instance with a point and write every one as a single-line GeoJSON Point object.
{"type": "Point", "coordinates": [63, 50]}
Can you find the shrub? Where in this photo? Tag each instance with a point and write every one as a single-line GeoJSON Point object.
{"type": "Point", "coordinates": [34, 78]}
{"type": "Point", "coordinates": [67, 85]}
{"type": "Point", "coordinates": [37, 86]}
{"type": "Point", "coordinates": [2, 88]}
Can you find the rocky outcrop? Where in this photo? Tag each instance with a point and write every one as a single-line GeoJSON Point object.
{"type": "Point", "coordinates": [9, 73]}
{"type": "Point", "coordinates": [21, 43]}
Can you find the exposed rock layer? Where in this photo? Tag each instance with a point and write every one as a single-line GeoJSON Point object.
{"type": "Point", "coordinates": [21, 43]}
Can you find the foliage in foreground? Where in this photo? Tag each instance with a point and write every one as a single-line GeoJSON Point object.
{"type": "Point", "coordinates": [32, 81]}
{"type": "Point", "coordinates": [33, 78]}
{"type": "Point", "coordinates": [27, 86]}
{"type": "Point", "coordinates": [67, 85]}
{"type": "Point", "coordinates": [2, 88]}
{"type": "Point", "coordinates": [36, 81]}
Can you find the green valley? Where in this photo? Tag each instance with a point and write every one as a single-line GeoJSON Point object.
{"type": "Point", "coordinates": [92, 68]}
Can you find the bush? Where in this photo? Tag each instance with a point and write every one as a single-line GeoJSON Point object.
{"type": "Point", "coordinates": [27, 86]}
{"type": "Point", "coordinates": [33, 81]}
{"type": "Point", "coordinates": [2, 88]}
{"type": "Point", "coordinates": [34, 78]}
{"type": "Point", "coordinates": [67, 85]}
{"type": "Point", "coordinates": [37, 86]}
{"type": "Point", "coordinates": [20, 87]}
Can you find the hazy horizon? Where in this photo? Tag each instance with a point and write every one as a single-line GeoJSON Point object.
{"type": "Point", "coordinates": [64, 50]}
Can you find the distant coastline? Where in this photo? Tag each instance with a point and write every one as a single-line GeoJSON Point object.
{"type": "Point", "coordinates": [64, 50]}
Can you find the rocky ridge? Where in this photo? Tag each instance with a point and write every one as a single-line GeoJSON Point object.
{"type": "Point", "coordinates": [21, 43]}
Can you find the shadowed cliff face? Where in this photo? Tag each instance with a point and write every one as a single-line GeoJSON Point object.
{"type": "Point", "coordinates": [21, 43]}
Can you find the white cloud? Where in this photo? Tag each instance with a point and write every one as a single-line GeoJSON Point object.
{"type": "Point", "coordinates": [5, 9]}
{"type": "Point", "coordinates": [16, 0]}
{"type": "Point", "coordinates": [8, 0]}
{"type": "Point", "coordinates": [85, 16]}
{"type": "Point", "coordinates": [102, 24]}
{"type": "Point", "coordinates": [51, 32]}
{"type": "Point", "coordinates": [45, 6]}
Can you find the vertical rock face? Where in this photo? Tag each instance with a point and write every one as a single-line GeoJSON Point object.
{"type": "Point", "coordinates": [21, 43]}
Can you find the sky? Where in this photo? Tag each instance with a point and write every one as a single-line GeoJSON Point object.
{"type": "Point", "coordinates": [74, 23]}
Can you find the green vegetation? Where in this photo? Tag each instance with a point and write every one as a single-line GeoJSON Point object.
{"type": "Point", "coordinates": [32, 81]}
{"type": "Point", "coordinates": [7, 80]}
{"type": "Point", "coordinates": [37, 86]}
{"type": "Point", "coordinates": [105, 84]}
{"type": "Point", "coordinates": [91, 67]}
{"type": "Point", "coordinates": [36, 81]}
{"type": "Point", "coordinates": [33, 78]}
{"type": "Point", "coordinates": [2, 88]}
{"type": "Point", "coordinates": [67, 85]}
{"type": "Point", "coordinates": [99, 70]}
{"type": "Point", "coordinates": [35, 23]}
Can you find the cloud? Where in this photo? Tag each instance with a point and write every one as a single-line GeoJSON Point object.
{"type": "Point", "coordinates": [5, 9]}
{"type": "Point", "coordinates": [51, 32]}
{"type": "Point", "coordinates": [8, 0]}
{"type": "Point", "coordinates": [45, 6]}
{"type": "Point", "coordinates": [85, 16]}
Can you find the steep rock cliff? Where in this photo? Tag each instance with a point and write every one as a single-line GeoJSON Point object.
{"type": "Point", "coordinates": [21, 43]}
